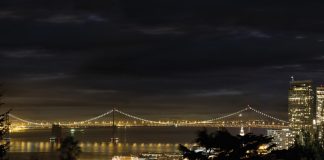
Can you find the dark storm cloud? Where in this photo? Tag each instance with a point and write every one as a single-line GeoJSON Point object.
{"type": "Point", "coordinates": [153, 56]}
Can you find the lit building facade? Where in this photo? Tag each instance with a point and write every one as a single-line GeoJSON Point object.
{"type": "Point", "coordinates": [320, 111]}
{"type": "Point", "coordinates": [301, 106]}
{"type": "Point", "coordinates": [281, 137]}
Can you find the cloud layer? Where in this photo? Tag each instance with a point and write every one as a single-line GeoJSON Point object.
{"type": "Point", "coordinates": [179, 57]}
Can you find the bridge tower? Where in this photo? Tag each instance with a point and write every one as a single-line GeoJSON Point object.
{"type": "Point", "coordinates": [114, 139]}
{"type": "Point", "coordinates": [56, 135]}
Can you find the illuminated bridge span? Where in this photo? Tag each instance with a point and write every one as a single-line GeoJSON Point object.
{"type": "Point", "coordinates": [234, 119]}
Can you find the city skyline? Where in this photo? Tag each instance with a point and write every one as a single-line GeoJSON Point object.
{"type": "Point", "coordinates": [157, 59]}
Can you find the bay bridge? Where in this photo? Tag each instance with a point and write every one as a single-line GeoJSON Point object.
{"type": "Point", "coordinates": [234, 119]}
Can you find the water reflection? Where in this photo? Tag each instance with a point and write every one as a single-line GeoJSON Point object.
{"type": "Point", "coordinates": [97, 147]}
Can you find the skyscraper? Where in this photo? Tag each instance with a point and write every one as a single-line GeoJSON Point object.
{"type": "Point", "coordinates": [320, 111]}
{"type": "Point", "coordinates": [301, 106]}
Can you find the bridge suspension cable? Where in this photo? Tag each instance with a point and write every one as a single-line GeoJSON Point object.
{"type": "Point", "coordinates": [266, 115]}
{"type": "Point", "coordinates": [239, 112]}
{"type": "Point", "coordinates": [222, 117]}
{"type": "Point", "coordinates": [142, 119]}
{"type": "Point", "coordinates": [89, 120]}
{"type": "Point", "coordinates": [26, 121]}
{"type": "Point", "coordinates": [225, 116]}
{"type": "Point", "coordinates": [79, 122]}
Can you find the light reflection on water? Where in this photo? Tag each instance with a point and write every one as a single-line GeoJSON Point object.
{"type": "Point", "coordinates": [97, 147]}
{"type": "Point", "coordinates": [95, 141]}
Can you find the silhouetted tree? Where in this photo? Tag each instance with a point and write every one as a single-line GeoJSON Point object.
{"type": "Point", "coordinates": [191, 154]}
{"type": "Point", "coordinates": [221, 145]}
{"type": "Point", "coordinates": [70, 149]}
{"type": "Point", "coordinates": [4, 130]}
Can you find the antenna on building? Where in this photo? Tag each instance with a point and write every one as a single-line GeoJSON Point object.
{"type": "Point", "coordinates": [292, 78]}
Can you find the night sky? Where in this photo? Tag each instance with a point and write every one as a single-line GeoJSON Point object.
{"type": "Point", "coordinates": [73, 59]}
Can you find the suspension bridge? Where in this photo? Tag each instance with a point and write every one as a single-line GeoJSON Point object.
{"type": "Point", "coordinates": [235, 119]}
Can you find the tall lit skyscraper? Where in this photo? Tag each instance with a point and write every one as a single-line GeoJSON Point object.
{"type": "Point", "coordinates": [301, 106]}
{"type": "Point", "coordinates": [320, 111]}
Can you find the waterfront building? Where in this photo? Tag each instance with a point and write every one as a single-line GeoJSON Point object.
{"type": "Point", "coordinates": [283, 138]}
{"type": "Point", "coordinates": [301, 106]}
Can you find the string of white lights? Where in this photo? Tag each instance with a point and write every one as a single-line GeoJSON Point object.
{"type": "Point", "coordinates": [26, 121]}
{"type": "Point", "coordinates": [88, 120]}
{"type": "Point", "coordinates": [142, 119]}
{"type": "Point", "coordinates": [64, 124]}
{"type": "Point", "coordinates": [219, 118]}
{"type": "Point", "coordinates": [266, 115]}
{"type": "Point", "coordinates": [95, 118]}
